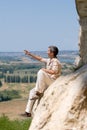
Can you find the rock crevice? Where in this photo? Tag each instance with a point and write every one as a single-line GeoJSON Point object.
{"type": "Point", "coordinates": [81, 6]}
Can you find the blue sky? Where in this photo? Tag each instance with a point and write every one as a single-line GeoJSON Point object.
{"type": "Point", "coordinates": [36, 24]}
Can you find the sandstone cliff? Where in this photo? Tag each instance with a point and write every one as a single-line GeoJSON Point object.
{"type": "Point", "coordinates": [64, 104]}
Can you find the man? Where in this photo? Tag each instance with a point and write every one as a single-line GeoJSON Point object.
{"type": "Point", "coordinates": [45, 76]}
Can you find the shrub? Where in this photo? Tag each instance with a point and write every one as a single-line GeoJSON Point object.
{"type": "Point", "coordinates": [8, 95]}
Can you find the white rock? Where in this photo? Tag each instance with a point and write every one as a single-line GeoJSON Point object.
{"type": "Point", "coordinates": [64, 104]}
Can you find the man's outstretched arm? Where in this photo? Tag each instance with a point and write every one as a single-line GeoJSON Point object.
{"type": "Point", "coordinates": [32, 55]}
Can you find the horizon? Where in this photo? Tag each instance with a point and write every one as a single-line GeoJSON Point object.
{"type": "Point", "coordinates": [32, 51]}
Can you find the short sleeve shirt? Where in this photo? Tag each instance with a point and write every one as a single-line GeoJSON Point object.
{"type": "Point", "coordinates": [53, 64]}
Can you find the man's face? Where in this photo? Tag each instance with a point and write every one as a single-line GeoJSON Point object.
{"type": "Point", "coordinates": [50, 54]}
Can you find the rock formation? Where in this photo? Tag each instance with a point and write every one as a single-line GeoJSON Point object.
{"type": "Point", "coordinates": [81, 6]}
{"type": "Point", "coordinates": [64, 104]}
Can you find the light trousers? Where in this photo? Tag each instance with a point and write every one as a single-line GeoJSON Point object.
{"type": "Point", "coordinates": [43, 81]}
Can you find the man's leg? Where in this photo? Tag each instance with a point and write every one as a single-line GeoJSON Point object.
{"type": "Point", "coordinates": [43, 81]}
{"type": "Point", "coordinates": [30, 102]}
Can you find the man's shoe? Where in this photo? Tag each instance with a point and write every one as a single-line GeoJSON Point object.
{"type": "Point", "coordinates": [37, 95]}
{"type": "Point", "coordinates": [26, 114]}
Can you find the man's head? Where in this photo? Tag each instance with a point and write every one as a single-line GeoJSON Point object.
{"type": "Point", "coordinates": [52, 51]}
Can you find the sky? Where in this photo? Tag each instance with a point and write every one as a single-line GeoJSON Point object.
{"type": "Point", "coordinates": [36, 24]}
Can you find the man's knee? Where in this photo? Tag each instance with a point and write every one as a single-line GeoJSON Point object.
{"type": "Point", "coordinates": [41, 72]}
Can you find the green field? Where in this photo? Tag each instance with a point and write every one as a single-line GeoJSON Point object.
{"type": "Point", "coordinates": [7, 124]}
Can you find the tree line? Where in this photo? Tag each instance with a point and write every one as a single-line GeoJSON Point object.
{"type": "Point", "coordinates": [19, 73]}
{"type": "Point", "coordinates": [19, 79]}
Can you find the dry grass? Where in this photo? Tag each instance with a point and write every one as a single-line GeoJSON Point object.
{"type": "Point", "coordinates": [15, 107]}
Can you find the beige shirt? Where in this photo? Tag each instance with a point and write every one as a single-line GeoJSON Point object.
{"type": "Point", "coordinates": [53, 64]}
